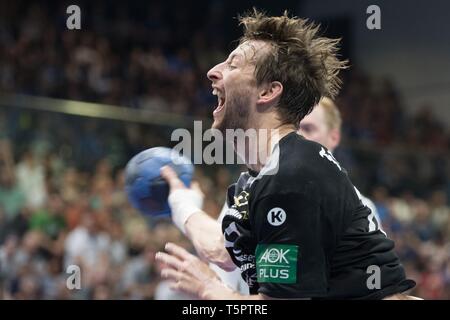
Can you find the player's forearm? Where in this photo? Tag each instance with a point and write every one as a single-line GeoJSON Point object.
{"type": "Point", "coordinates": [207, 238]}
{"type": "Point", "coordinates": [204, 232]}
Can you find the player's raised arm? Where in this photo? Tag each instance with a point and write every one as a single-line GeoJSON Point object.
{"type": "Point", "coordinates": [204, 232]}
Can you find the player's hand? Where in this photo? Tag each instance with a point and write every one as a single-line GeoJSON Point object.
{"type": "Point", "coordinates": [191, 275]}
{"type": "Point", "coordinates": [204, 232]}
{"type": "Point", "coordinates": [183, 201]}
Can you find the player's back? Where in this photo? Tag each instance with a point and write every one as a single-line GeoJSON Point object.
{"type": "Point", "coordinates": [362, 258]}
{"type": "Point", "coordinates": [355, 251]}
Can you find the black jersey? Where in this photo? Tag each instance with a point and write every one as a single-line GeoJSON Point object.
{"type": "Point", "coordinates": [298, 229]}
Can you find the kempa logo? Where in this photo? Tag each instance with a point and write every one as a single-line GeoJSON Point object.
{"type": "Point", "coordinates": [276, 216]}
{"type": "Point", "coordinates": [276, 263]}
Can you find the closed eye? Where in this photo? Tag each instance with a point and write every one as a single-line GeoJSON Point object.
{"type": "Point", "coordinates": [230, 66]}
{"type": "Point", "coordinates": [306, 128]}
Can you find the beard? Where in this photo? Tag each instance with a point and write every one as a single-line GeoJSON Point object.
{"type": "Point", "coordinates": [236, 115]}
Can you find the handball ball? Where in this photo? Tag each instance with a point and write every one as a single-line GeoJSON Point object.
{"type": "Point", "coordinates": [147, 191]}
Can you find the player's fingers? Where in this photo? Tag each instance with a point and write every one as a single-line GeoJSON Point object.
{"type": "Point", "coordinates": [196, 186]}
{"type": "Point", "coordinates": [181, 282]}
{"type": "Point", "coordinates": [186, 287]}
{"type": "Point", "coordinates": [174, 275]}
{"type": "Point", "coordinates": [179, 252]}
{"type": "Point", "coordinates": [169, 260]}
{"type": "Point", "coordinates": [171, 177]}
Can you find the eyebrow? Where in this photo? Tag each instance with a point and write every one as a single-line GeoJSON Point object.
{"type": "Point", "coordinates": [234, 55]}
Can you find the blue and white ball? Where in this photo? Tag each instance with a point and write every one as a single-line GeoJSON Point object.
{"type": "Point", "coordinates": [147, 191]}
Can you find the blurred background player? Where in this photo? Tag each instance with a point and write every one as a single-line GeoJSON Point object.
{"type": "Point", "coordinates": [323, 125]}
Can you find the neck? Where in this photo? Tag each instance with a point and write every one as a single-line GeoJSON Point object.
{"type": "Point", "coordinates": [262, 146]}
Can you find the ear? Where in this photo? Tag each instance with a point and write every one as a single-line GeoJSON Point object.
{"type": "Point", "coordinates": [270, 93]}
{"type": "Point", "coordinates": [334, 138]}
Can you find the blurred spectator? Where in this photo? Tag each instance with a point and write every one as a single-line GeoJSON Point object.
{"type": "Point", "coordinates": [86, 243]}
{"type": "Point", "coordinates": [11, 196]}
{"type": "Point", "coordinates": [31, 180]}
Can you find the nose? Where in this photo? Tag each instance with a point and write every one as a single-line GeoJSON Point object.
{"type": "Point", "coordinates": [215, 73]}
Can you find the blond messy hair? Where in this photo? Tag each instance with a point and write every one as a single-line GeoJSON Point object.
{"type": "Point", "coordinates": [332, 114]}
{"type": "Point", "coordinates": [303, 62]}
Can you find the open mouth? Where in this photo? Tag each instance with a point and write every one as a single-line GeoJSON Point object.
{"type": "Point", "coordinates": [220, 101]}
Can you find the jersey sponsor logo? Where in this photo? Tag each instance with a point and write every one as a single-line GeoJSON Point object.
{"type": "Point", "coordinates": [243, 257]}
{"type": "Point", "coordinates": [240, 205]}
{"type": "Point", "coordinates": [234, 213]}
{"type": "Point", "coordinates": [229, 231]}
{"type": "Point", "coordinates": [247, 266]}
{"type": "Point", "coordinates": [276, 263]}
{"type": "Point", "coordinates": [276, 216]}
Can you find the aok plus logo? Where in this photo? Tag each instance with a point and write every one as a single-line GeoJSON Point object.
{"type": "Point", "coordinates": [276, 263]}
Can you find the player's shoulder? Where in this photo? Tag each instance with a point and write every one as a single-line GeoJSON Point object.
{"type": "Point", "coordinates": [299, 159]}
{"type": "Point", "coordinates": [296, 151]}
{"type": "Point", "coordinates": [296, 165]}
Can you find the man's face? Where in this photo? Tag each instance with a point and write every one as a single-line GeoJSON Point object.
{"type": "Point", "coordinates": [314, 127]}
{"type": "Point", "coordinates": [234, 83]}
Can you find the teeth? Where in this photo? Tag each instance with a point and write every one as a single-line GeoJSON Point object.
{"type": "Point", "coordinates": [220, 98]}
{"type": "Point", "coordinates": [216, 92]}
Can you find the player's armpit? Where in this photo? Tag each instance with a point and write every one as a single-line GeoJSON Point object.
{"type": "Point", "coordinates": [207, 238]}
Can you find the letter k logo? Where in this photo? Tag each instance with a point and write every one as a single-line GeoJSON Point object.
{"type": "Point", "coordinates": [276, 216]}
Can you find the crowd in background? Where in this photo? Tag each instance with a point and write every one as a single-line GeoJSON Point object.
{"type": "Point", "coordinates": [61, 177]}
